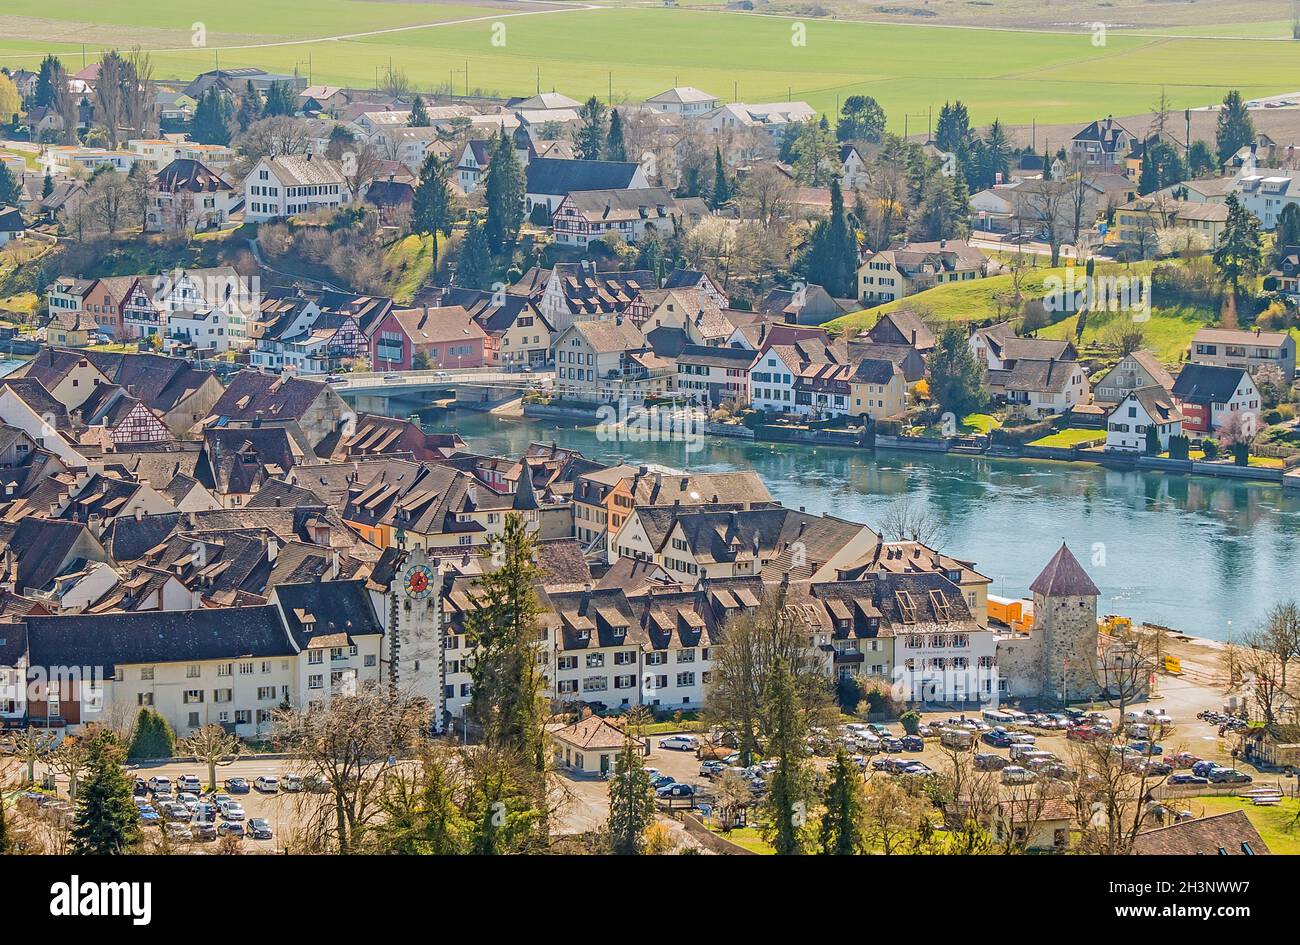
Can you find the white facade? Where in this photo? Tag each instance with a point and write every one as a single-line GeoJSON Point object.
{"type": "Point", "coordinates": [286, 186]}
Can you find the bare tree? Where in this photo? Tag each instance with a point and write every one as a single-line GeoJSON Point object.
{"type": "Point", "coordinates": [907, 519]}
{"type": "Point", "coordinates": [111, 196]}
{"type": "Point", "coordinates": [348, 746]}
{"type": "Point", "coordinates": [32, 745]}
{"type": "Point", "coordinates": [766, 194]}
{"type": "Point", "coordinates": [139, 93]}
{"type": "Point", "coordinates": [394, 83]}
{"type": "Point", "coordinates": [1265, 656]}
{"type": "Point", "coordinates": [275, 136]}
{"type": "Point", "coordinates": [69, 760]}
{"type": "Point", "coordinates": [1080, 186]}
{"type": "Point", "coordinates": [108, 94]}
{"type": "Point", "coordinates": [214, 747]}
{"type": "Point", "coordinates": [360, 166]}
{"type": "Point", "coordinates": [1044, 205]}
{"type": "Point", "coordinates": [891, 814]}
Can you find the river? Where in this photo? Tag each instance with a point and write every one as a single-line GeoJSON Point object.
{"type": "Point", "coordinates": [1206, 556]}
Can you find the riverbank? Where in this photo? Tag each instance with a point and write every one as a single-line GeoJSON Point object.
{"type": "Point", "coordinates": [1194, 552]}
{"type": "Point", "coordinates": [958, 446]}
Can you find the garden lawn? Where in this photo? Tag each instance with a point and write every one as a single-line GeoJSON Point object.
{"type": "Point", "coordinates": [1070, 437]}
{"type": "Point", "coordinates": [1271, 822]}
{"type": "Point", "coordinates": [1168, 332]}
{"type": "Point", "coordinates": [747, 837]}
{"type": "Point", "coordinates": [980, 422]}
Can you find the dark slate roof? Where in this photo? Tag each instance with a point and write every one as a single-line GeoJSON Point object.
{"type": "Point", "coordinates": [42, 546]}
{"type": "Point", "coordinates": [717, 355]}
{"type": "Point", "coordinates": [874, 371]}
{"type": "Point", "coordinates": [1207, 383]}
{"type": "Point", "coordinates": [190, 176]}
{"type": "Point", "coordinates": [38, 397]}
{"type": "Point", "coordinates": [128, 538]}
{"type": "Point", "coordinates": [1064, 577]}
{"type": "Point", "coordinates": [252, 393]}
{"type": "Point", "coordinates": [557, 177]}
{"type": "Point", "coordinates": [339, 607]}
{"type": "Point", "coordinates": [105, 640]}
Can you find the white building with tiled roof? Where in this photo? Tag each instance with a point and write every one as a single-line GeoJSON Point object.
{"type": "Point", "coordinates": [291, 184]}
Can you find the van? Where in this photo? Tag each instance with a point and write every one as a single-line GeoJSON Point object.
{"type": "Point", "coordinates": [957, 738]}
{"type": "Point", "coordinates": [680, 742]}
{"type": "Point", "coordinates": [996, 717]}
{"type": "Point", "coordinates": [1029, 757]}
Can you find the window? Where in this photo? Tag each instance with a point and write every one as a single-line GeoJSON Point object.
{"type": "Point", "coordinates": [144, 698]}
{"type": "Point", "coordinates": [222, 695]}
{"type": "Point", "coordinates": [686, 679]}
{"type": "Point", "coordinates": [246, 669]}
{"type": "Point", "coordinates": [224, 669]}
{"type": "Point", "coordinates": [316, 682]}
{"type": "Point", "coordinates": [192, 695]}
{"type": "Point", "coordinates": [146, 673]}
{"type": "Point", "coordinates": [315, 657]}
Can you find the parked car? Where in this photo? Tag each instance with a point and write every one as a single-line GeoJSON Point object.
{"type": "Point", "coordinates": [987, 761]}
{"type": "Point", "coordinates": [1147, 748]}
{"type": "Point", "coordinates": [267, 783]}
{"type": "Point", "coordinates": [149, 816]}
{"type": "Point", "coordinates": [188, 782]}
{"type": "Point", "coordinates": [712, 769]}
{"type": "Point", "coordinates": [913, 743]}
{"type": "Point", "coordinates": [291, 782]}
{"type": "Point", "coordinates": [891, 744]}
{"type": "Point", "coordinates": [159, 784]}
{"type": "Point", "coordinates": [139, 788]}
{"type": "Point", "coordinates": [260, 828]}
{"type": "Point", "coordinates": [998, 738]}
{"type": "Point", "coordinates": [1203, 768]}
{"type": "Point", "coordinates": [203, 830]}
{"type": "Point", "coordinates": [237, 785]}
{"type": "Point", "coordinates": [1183, 759]}
{"type": "Point", "coordinates": [675, 790]}
{"type": "Point", "coordinates": [231, 828]}
{"type": "Point", "coordinates": [1229, 776]}
{"type": "Point", "coordinates": [232, 810]}
{"type": "Point", "coordinates": [680, 742]}
{"type": "Point", "coordinates": [179, 832]}
{"type": "Point", "coordinates": [1014, 774]}
{"type": "Point", "coordinates": [1188, 779]}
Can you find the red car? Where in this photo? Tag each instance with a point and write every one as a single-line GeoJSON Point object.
{"type": "Point", "coordinates": [1087, 733]}
{"type": "Point", "coordinates": [1182, 759]}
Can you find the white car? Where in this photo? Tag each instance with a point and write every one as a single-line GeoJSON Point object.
{"type": "Point", "coordinates": [267, 783]}
{"type": "Point", "coordinates": [680, 742]}
{"type": "Point", "coordinates": [232, 810]}
{"type": "Point", "coordinates": [292, 782]}
{"type": "Point", "coordinates": [159, 784]}
{"type": "Point", "coordinates": [188, 782]}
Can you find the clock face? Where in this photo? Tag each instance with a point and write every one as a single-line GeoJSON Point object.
{"type": "Point", "coordinates": [418, 581]}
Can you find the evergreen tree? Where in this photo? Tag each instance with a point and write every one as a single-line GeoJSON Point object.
{"type": "Point", "coordinates": [789, 137]}
{"type": "Point", "coordinates": [591, 135]}
{"type": "Point", "coordinates": [1162, 166]}
{"type": "Point", "coordinates": [631, 802]}
{"type": "Point", "coordinates": [51, 67]}
{"type": "Point", "coordinates": [650, 255]}
{"type": "Point", "coordinates": [106, 823]}
{"type": "Point", "coordinates": [419, 114]}
{"type": "Point", "coordinates": [10, 191]}
{"type": "Point", "coordinates": [47, 186]}
{"type": "Point", "coordinates": [1200, 160]}
{"type": "Point", "coordinates": [955, 377]}
{"type": "Point", "coordinates": [504, 194]}
{"type": "Point", "coordinates": [153, 737]}
{"type": "Point", "coordinates": [212, 118]}
{"type": "Point", "coordinates": [433, 210]}
{"type": "Point", "coordinates": [816, 154]}
{"type": "Point", "coordinates": [1240, 252]}
{"type": "Point", "coordinates": [474, 271]}
{"type": "Point", "coordinates": [1235, 128]}
{"type": "Point", "coordinates": [721, 192]}
{"type": "Point", "coordinates": [1287, 232]}
{"type": "Point", "coordinates": [279, 99]}
{"type": "Point", "coordinates": [952, 131]}
{"type": "Point", "coordinates": [615, 149]}
{"type": "Point", "coordinates": [250, 107]}
{"type": "Point", "coordinates": [997, 148]}
{"type": "Point", "coordinates": [832, 257]}
{"type": "Point", "coordinates": [861, 119]}
{"type": "Point", "coordinates": [841, 832]}
{"type": "Point", "coordinates": [788, 788]}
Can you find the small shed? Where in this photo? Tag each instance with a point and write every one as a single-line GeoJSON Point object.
{"type": "Point", "coordinates": [591, 746]}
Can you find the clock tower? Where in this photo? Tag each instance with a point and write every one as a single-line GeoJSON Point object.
{"type": "Point", "coordinates": [417, 667]}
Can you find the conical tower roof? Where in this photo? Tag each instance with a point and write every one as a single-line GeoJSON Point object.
{"type": "Point", "coordinates": [1064, 577]}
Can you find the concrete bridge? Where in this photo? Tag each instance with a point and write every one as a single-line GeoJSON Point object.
{"type": "Point", "coordinates": [399, 392]}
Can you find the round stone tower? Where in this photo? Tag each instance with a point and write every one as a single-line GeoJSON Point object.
{"type": "Point", "coordinates": [1065, 613]}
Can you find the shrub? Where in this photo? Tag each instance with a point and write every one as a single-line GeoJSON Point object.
{"type": "Point", "coordinates": [1210, 447]}
{"type": "Point", "coordinates": [911, 721]}
{"type": "Point", "coordinates": [153, 737]}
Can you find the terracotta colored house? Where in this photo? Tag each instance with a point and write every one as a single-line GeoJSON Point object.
{"type": "Point", "coordinates": [446, 337]}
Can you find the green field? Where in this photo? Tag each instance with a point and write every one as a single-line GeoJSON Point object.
{"type": "Point", "coordinates": [1016, 76]}
{"type": "Point", "coordinates": [1275, 824]}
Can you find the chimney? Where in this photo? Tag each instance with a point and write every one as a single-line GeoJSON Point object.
{"type": "Point", "coordinates": [272, 548]}
{"type": "Point", "coordinates": [139, 513]}
{"type": "Point", "coordinates": [334, 565]}
{"type": "Point", "coordinates": [424, 316]}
